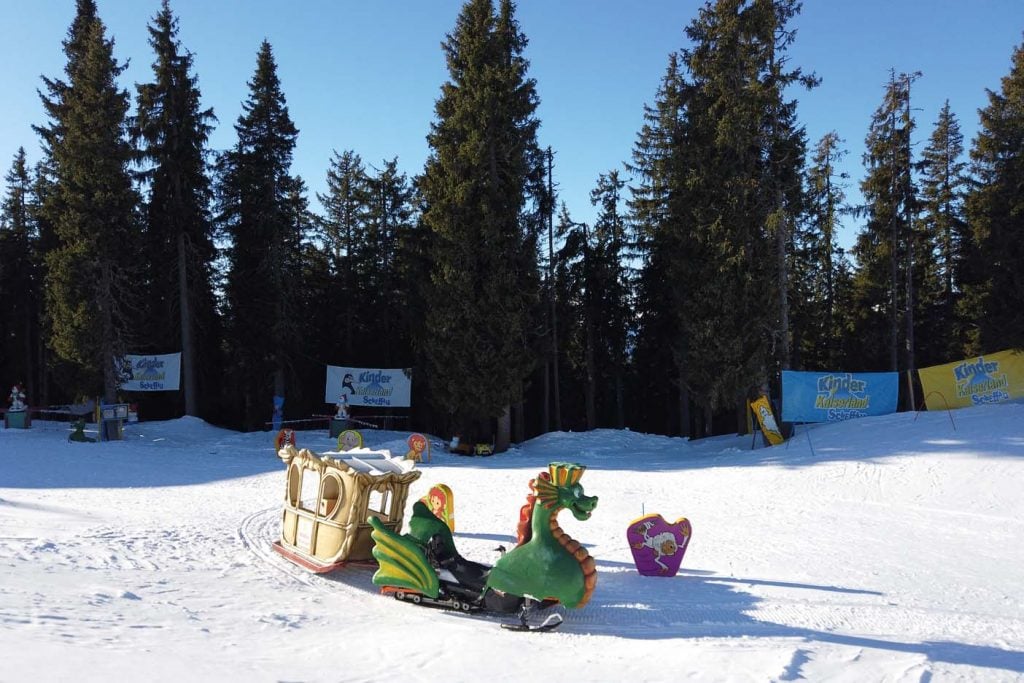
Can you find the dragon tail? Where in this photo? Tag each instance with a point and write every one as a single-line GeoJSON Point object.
{"type": "Point", "coordinates": [401, 562]}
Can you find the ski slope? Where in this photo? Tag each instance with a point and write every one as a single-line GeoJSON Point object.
{"type": "Point", "coordinates": [881, 549]}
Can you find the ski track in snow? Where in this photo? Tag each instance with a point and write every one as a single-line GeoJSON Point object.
{"type": "Point", "coordinates": [892, 552]}
{"type": "Point", "coordinates": [717, 618]}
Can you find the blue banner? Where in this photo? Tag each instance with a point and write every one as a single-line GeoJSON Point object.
{"type": "Point", "coordinates": [834, 396]}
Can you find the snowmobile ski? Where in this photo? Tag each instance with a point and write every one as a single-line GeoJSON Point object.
{"type": "Point", "coordinates": [550, 624]}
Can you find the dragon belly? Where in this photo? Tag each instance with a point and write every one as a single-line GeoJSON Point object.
{"type": "Point", "coordinates": [539, 571]}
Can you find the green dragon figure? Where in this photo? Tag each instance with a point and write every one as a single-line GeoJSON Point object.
{"type": "Point", "coordinates": [546, 567]}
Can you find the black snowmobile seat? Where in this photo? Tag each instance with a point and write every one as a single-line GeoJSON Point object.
{"type": "Point", "coordinates": [472, 575]}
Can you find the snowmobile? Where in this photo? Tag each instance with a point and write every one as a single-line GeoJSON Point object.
{"type": "Point", "coordinates": [544, 573]}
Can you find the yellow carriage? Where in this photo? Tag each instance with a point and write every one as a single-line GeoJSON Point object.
{"type": "Point", "coordinates": [330, 498]}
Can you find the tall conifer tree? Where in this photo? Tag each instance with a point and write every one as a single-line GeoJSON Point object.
{"type": "Point", "coordinates": [20, 280]}
{"type": "Point", "coordinates": [821, 272]}
{"type": "Point", "coordinates": [609, 296]}
{"type": "Point", "coordinates": [173, 130]}
{"type": "Point", "coordinates": [660, 212]}
{"type": "Point", "coordinates": [943, 189]}
{"type": "Point", "coordinates": [92, 206]}
{"type": "Point", "coordinates": [344, 226]}
{"type": "Point", "coordinates": [888, 249]}
{"type": "Point", "coordinates": [477, 184]}
{"type": "Point", "coordinates": [742, 183]}
{"type": "Point", "coordinates": [264, 215]}
{"type": "Point", "coordinates": [391, 214]}
{"type": "Point", "coordinates": [995, 210]}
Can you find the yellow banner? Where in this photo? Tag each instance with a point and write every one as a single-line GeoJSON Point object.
{"type": "Point", "coordinates": [993, 378]}
{"type": "Point", "coordinates": [769, 427]}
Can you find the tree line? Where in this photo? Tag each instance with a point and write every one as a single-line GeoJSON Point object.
{"type": "Point", "coordinates": [712, 265]}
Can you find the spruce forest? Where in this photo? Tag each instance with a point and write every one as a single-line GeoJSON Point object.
{"type": "Point", "coordinates": [712, 265]}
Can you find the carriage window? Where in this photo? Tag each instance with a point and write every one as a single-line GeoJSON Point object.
{"type": "Point", "coordinates": [334, 492]}
{"type": "Point", "coordinates": [294, 482]}
{"type": "Point", "coordinates": [310, 490]}
{"type": "Point", "coordinates": [379, 503]}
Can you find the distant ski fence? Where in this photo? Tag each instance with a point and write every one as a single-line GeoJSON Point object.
{"type": "Point", "coordinates": [831, 396]}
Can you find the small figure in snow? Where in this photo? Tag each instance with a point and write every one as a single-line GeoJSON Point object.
{"type": "Point", "coordinates": [17, 398]}
{"type": "Point", "coordinates": [342, 404]}
{"type": "Point", "coordinates": [417, 447]}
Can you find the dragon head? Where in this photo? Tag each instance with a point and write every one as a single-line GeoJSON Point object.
{"type": "Point", "coordinates": [559, 487]}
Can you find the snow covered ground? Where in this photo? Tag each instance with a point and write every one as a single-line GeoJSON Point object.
{"type": "Point", "coordinates": [881, 549]}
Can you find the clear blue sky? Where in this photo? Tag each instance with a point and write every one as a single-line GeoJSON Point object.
{"type": "Point", "coordinates": [365, 75]}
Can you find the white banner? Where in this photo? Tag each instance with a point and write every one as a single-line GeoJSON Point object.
{"type": "Point", "coordinates": [152, 373]}
{"type": "Point", "coordinates": [369, 386]}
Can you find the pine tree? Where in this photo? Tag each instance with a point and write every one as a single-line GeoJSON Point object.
{"type": "Point", "coordinates": [995, 210]}
{"type": "Point", "coordinates": [608, 295]}
{"type": "Point", "coordinates": [573, 265]}
{"type": "Point", "coordinates": [742, 185]}
{"type": "Point", "coordinates": [92, 207]}
{"type": "Point", "coordinates": [820, 269]}
{"type": "Point", "coordinates": [174, 131]}
{"type": "Point", "coordinates": [482, 172]}
{"type": "Point", "coordinates": [390, 214]}
{"type": "Point", "coordinates": [364, 216]}
{"type": "Point", "coordinates": [884, 248]}
{"type": "Point", "coordinates": [785, 146]}
{"type": "Point", "coordinates": [346, 204]}
{"type": "Point", "coordinates": [660, 212]}
{"type": "Point", "coordinates": [943, 189]}
{"type": "Point", "coordinates": [264, 214]}
{"type": "Point", "coordinates": [20, 280]}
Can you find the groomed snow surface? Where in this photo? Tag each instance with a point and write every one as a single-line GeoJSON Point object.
{"type": "Point", "coordinates": [880, 549]}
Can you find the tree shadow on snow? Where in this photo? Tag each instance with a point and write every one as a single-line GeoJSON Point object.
{"type": "Point", "coordinates": [699, 604]}
{"type": "Point", "coordinates": [702, 604]}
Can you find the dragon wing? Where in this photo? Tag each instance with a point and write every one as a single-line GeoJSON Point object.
{"type": "Point", "coordinates": [402, 562]}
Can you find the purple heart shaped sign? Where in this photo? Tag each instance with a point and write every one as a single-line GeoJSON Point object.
{"type": "Point", "coordinates": [657, 546]}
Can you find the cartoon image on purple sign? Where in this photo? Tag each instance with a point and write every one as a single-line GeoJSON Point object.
{"type": "Point", "coordinates": [657, 546]}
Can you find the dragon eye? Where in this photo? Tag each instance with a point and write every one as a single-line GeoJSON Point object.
{"type": "Point", "coordinates": [577, 490]}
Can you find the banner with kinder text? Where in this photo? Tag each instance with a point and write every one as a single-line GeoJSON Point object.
{"type": "Point", "coordinates": [835, 396]}
{"type": "Point", "coordinates": [152, 373]}
{"type": "Point", "coordinates": [993, 378]}
{"type": "Point", "coordinates": [385, 388]}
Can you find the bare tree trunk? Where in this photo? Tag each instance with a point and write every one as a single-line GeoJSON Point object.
{"type": "Point", "coordinates": [620, 404]}
{"type": "Point", "coordinates": [109, 352]}
{"type": "Point", "coordinates": [519, 424]}
{"type": "Point", "coordinates": [502, 439]}
{"type": "Point", "coordinates": [684, 405]}
{"type": "Point", "coordinates": [110, 376]}
{"type": "Point", "coordinates": [545, 416]}
{"type": "Point", "coordinates": [743, 425]}
{"type": "Point", "coordinates": [781, 235]}
{"type": "Point", "coordinates": [185, 311]}
{"type": "Point", "coordinates": [590, 389]}
{"type": "Point", "coordinates": [554, 308]}
{"type": "Point", "coordinates": [30, 371]}
{"type": "Point", "coordinates": [908, 205]}
{"type": "Point", "coordinates": [894, 256]}
{"type": "Point", "coordinates": [783, 282]}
